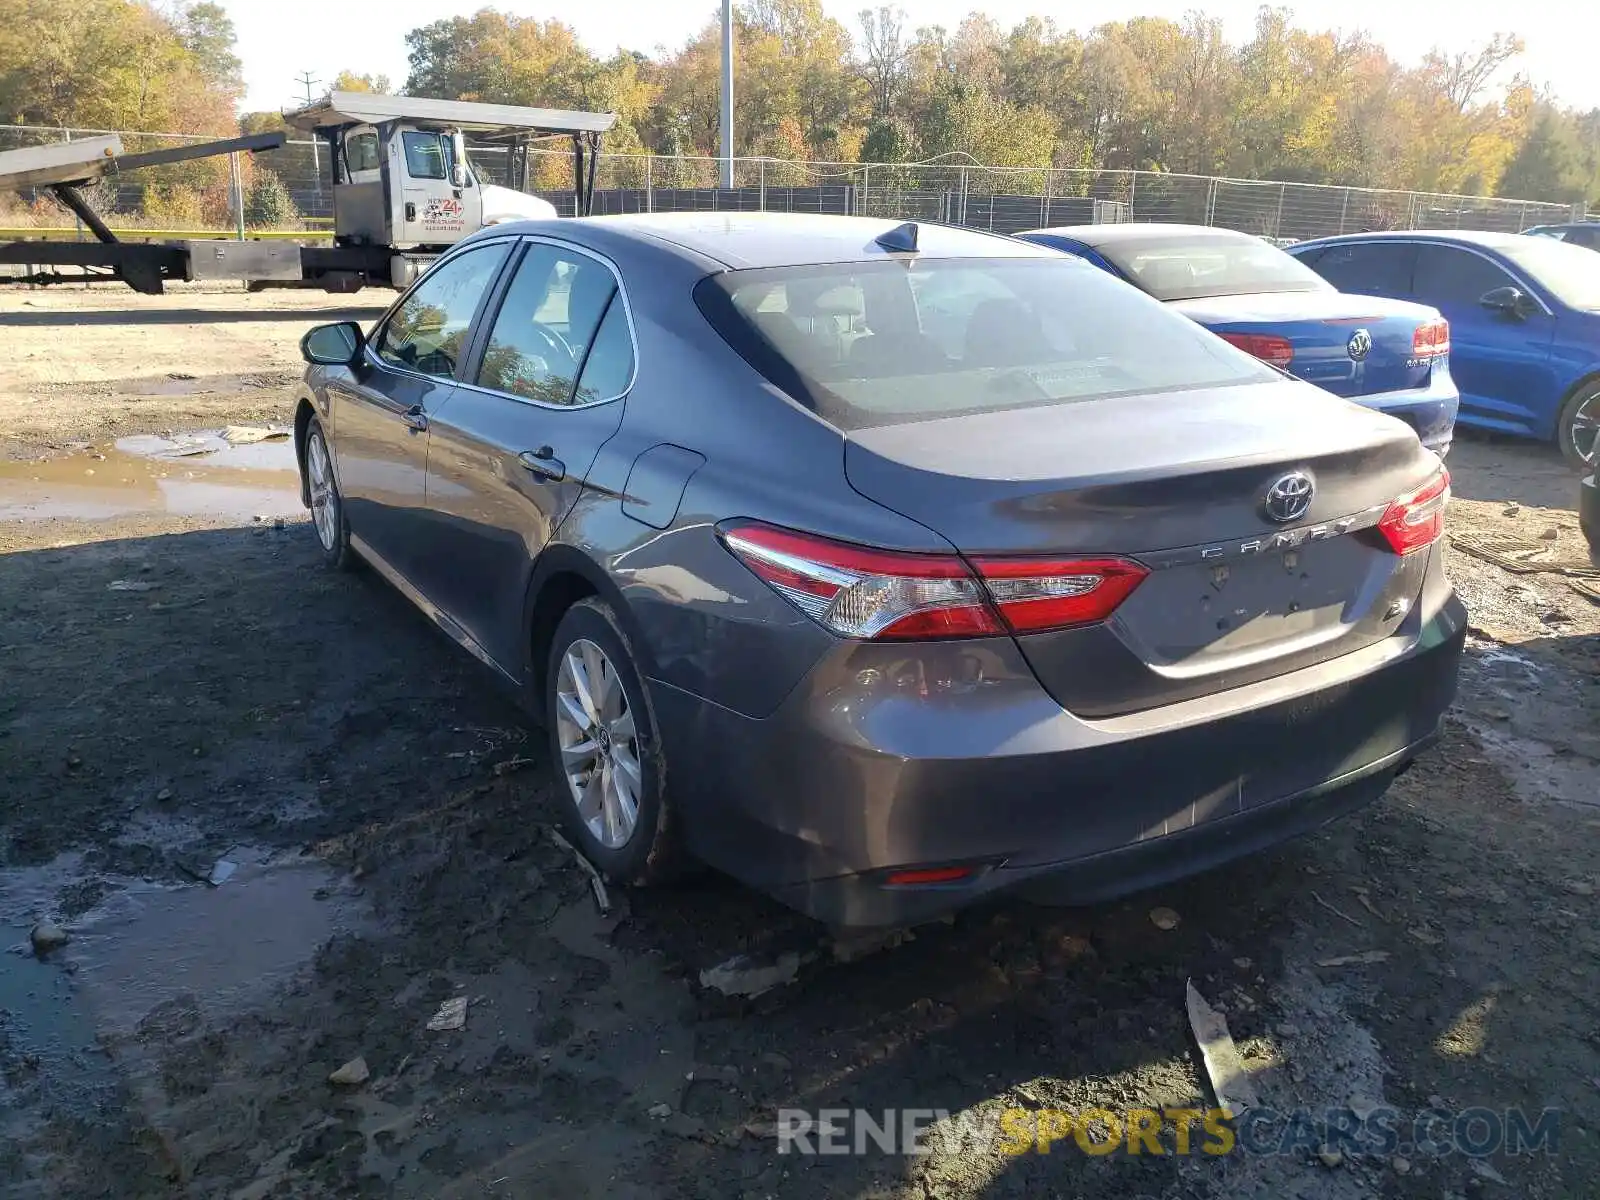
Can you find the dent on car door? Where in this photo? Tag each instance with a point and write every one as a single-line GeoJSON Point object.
{"type": "Point", "coordinates": [1499, 360]}
{"type": "Point", "coordinates": [383, 406]}
{"type": "Point", "coordinates": [510, 455]}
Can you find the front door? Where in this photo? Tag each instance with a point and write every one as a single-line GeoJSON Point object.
{"type": "Point", "coordinates": [1500, 361]}
{"type": "Point", "coordinates": [382, 408]}
{"type": "Point", "coordinates": [509, 455]}
{"type": "Point", "coordinates": [434, 212]}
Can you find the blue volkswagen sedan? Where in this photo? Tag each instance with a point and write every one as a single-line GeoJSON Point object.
{"type": "Point", "coordinates": [1387, 354]}
{"type": "Point", "coordinates": [1524, 318]}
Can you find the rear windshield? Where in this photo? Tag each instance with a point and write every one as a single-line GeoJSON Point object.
{"type": "Point", "coordinates": [887, 342]}
{"type": "Point", "coordinates": [1185, 267]}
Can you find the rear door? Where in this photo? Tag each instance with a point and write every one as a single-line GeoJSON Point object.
{"type": "Point", "coordinates": [509, 456]}
{"type": "Point", "coordinates": [382, 408]}
{"type": "Point", "coordinates": [1365, 268]}
{"type": "Point", "coordinates": [1501, 362]}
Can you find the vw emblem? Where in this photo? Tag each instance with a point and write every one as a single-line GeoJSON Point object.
{"type": "Point", "coordinates": [1360, 345]}
{"type": "Point", "coordinates": [1289, 497]}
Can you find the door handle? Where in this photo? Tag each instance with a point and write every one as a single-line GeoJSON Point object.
{"type": "Point", "coordinates": [415, 418]}
{"type": "Point", "coordinates": [544, 463]}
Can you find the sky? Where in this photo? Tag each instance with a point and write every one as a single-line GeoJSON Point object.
{"type": "Point", "coordinates": [279, 39]}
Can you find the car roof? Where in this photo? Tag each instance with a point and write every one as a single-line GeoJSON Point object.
{"type": "Point", "coordinates": [1112, 233]}
{"type": "Point", "coordinates": [1469, 237]}
{"type": "Point", "coordinates": [744, 240]}
{"type": "Point", "coordinates": [1565, 225]}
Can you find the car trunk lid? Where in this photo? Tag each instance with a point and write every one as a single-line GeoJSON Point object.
{"type": "Point", "coordinates": [1176, 482]}
{"type": "Point", "coordinates": [1352, 346]}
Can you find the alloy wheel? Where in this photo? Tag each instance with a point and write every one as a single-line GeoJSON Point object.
{"type": "Point", "coordinates": [324, 498]}
{"type": "Point", "coordinates": [599, 744]}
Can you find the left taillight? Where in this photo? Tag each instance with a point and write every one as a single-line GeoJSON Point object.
{"type": "Point", "coordinates": [1415, 520]}
{"type": "Point", "coordinates": [888, 595]}
{"type": "Point", "coordinates": [1268, 347]}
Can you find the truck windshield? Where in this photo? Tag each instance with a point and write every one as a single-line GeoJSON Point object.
{"type": "Point", "coordinates": [427, 155]}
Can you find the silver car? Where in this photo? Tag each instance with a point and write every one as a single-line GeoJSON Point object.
{"type": "Point", "coordinates": [888, 567]}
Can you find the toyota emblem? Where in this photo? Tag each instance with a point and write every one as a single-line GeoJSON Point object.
{"type": "Point", "coordinates": [1289, 497]}
{"type": "Point", "coordinates": [1360, 345]}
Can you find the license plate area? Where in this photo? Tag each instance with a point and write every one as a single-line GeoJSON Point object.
{"type": "Point", "coordinates": [1202, 616]}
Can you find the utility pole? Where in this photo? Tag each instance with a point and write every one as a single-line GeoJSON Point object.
{"type": "Point", "coordinates": [727, 93]}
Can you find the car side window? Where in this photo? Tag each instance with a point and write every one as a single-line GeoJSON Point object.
{"type": "Point", "coordinates": [1448, 275]}
{"type": "Point", "coordinates": [1367, 268]}
{"type": "Point", "coordinates": [428, 332]}
{"type": "Point", "coordinates": [609, 370]}
{"type": "Point", "coordinates": [425, 156]}
{"type": "Point", "coordinates": [1585, 237]}
{"type": "Point", "coordinates": [551, 314]}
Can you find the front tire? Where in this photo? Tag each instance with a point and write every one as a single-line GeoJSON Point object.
{"type": "Point", "coordinates": [328, 521]}
{"type": "Point", "coordinates": [609, 768]}
{"type": "Point", "coordinates": [1578, 426]}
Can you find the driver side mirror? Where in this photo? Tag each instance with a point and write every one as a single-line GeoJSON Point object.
{"type": "Point", "coordinates": [337, 345]}
{"type": "Point", "coordinates": [458, 160]}
{"type": "Point", "coordinates": [1510, 301]}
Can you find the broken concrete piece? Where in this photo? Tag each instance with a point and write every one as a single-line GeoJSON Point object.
{"type": "Point", "coordinates": [659, 1112]}
{"type": "Point", "coordinates": [749, 977]}
{"type": "Point", "coordinates": [353, 1074]}
{"type": "Point", "coordinates": [1354, 960]}
{"type": "Point", "coordinates": [1163, 918]}
{"type": "Point", "coordinates": [452, 1015]}
{"type": "Point", "coordinates": [1230, 1082]}
{"type": "Point", "coordinates": [221, 872]}
{"type": "Point", "coordinates": [248, 435]}
{"type": "Point", "coordinates": [47, 937]}
{"type": "Point", "coordinates": [131, 585]}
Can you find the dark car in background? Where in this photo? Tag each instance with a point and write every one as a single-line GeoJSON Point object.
{"type": "Point", "coordinates": [1388, 354]}
{"type": "Point", "coordinates": [1578, 233]}
{"type": "Point", "coordinates": [887, 568]}
{"type": "Point", "coordinates": [1524, 317]}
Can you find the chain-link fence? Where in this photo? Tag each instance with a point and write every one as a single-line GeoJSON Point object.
{"type": "Point", "coordinates": [288, 189]}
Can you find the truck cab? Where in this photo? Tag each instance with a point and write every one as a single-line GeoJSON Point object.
{"type": "Point", "coordinates": [403, 179]}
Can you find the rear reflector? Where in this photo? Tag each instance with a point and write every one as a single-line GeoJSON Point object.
{"type": "Point", "coordinates": [1268, 347]}
{"type": "Point", "coordinates": [1431, 340]}
{"type": "Point", "coordinates": [922, 876]}
{"type": "Point", "coordinates": [1416, 520]}
{"type": "Point", "coordinates": [887, 595]}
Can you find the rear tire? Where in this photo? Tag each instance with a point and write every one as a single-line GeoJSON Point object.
{"type": "Point", "coordinates": [1578, 426]}
{"type": "Point", "coordinates": [328, 520]}
{"type": "Point", "coordinates": [609, 768]}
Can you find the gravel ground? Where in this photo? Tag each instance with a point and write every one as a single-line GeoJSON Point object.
{"type": "Point", "coordinates": [282, 822]}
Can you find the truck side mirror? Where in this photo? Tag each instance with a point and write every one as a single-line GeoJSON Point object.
{"type": "Point", "coordinates": [458, 160]}
{"type": "Point", "coordinates": [337, 345]}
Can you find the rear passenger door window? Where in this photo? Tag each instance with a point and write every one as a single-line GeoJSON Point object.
{"type": "Point", "coordinates": [556, 317]}
{"type": "Point", "coordinates": [1368, 268]}
{"type": "Point", "coordinates": [1447, 277]}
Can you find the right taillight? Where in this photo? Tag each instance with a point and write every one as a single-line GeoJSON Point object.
{"type": "Point", "coordinates": [1415, 520]}
{"type": "Point", "coordinates": [1431, 339]}
{"type": "Point", "coordinates": [888, 595]}
{"type": "Point", "coordinates": [1268, 347]}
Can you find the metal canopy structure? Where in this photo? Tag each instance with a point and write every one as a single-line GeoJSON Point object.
{"type": "Point", "coordinates": [336, 112]}
{"type": "Point", "coordinates": [339, 110]}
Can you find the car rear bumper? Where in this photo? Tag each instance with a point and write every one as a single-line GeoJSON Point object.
{"type": "Point", "coordinates": [890, 757]}
{"type": "Point", "coordinates": [1431, 412]}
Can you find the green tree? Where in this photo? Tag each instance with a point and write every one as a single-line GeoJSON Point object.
{"type": "Point", "coordinates": [268, 204]}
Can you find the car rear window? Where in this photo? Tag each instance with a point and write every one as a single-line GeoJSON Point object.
{"type": "Point", "coordinates": [889, 341]}
{"type": "Point", "coordinates": [1188, 267]}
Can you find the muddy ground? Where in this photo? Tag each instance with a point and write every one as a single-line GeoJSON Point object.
{"type": "Point", "coordinates": [282, 821]}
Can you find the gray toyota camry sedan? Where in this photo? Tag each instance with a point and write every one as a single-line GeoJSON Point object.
{"type": "Point", "coordinates": [886, 567]}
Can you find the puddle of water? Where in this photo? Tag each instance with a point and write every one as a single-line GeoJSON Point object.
{"type": "Point", "coordinates": [190, 475]}
{"type": "Point", "coordinates": [228, 947]}
{"type": "Point", "coordinates": [47, 1040]}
